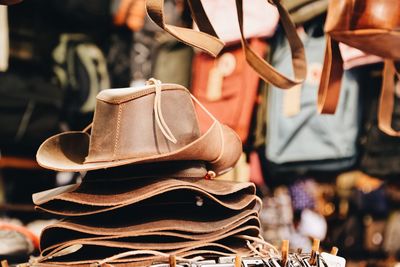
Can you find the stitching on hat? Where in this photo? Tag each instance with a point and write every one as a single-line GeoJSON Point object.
{"type": "Point", "coordinates": [116, 143]}
{"type": "Point", "coordinates": [142, 93]}
{"type": "Point", "coordinates": [147, 92]}
{"type": "Point", "coordinates": [221, 153]}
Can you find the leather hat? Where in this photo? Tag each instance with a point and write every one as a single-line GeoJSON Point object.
{"type": "Point", "coordinates": [128, 257]}
{"type": "Point", "coordinates": [89, 198]}
{"type": "Point", "coordinates": [154, 123]}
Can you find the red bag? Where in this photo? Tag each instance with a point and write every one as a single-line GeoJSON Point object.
{"type": "Point", "coordinates": [227, 86]}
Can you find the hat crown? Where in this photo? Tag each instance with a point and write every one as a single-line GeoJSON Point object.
{"type": "Point", "coordinates": [125, 126]}
{"type": "Point", "coordinates": [135, 126]}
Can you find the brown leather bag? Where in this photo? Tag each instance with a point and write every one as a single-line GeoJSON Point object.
{"type": "Point", "coordinates": [369, 25]}
{"type": "Point", "coordinates": [227, 81]}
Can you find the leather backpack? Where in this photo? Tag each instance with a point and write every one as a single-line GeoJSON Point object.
{"type": "Point", "coordinates": [369, 25]}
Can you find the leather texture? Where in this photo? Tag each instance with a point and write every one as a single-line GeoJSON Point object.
{"type": "Point", "coordinates": [227, 247]}
{"type": "Point", "coordinates": [70, 229]}
{"type": "Point", "coordinates": [185, 216]}
{"type": "Point", "coordinates": [86, 199]}
{"type": "Point", "coordinates": [207, 40]}
{"type": "Point", "coordinates": [266, 71]}
{"type": "Point", "coordinates": [369, 25]}
{"type": "Point", "coordinates": [139, 125]}
{"type": "Point", "coordinates": [154, 240]}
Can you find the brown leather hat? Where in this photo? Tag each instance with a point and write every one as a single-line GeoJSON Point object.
{"type": "Point", "coordinates": [136, 125]}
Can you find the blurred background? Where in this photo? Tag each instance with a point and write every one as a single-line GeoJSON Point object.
{"type": "Point", "coordinates": [331, 177]}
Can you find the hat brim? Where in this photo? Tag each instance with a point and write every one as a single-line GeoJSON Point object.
{"type": "Point", "coordinates": [78, 200]}
{"type": "Point", "coordinates": [135, 190]}
{"type": "Point", "coordinates": [67, 151]}
{"type": "Point", "coordinates": [185, 228]}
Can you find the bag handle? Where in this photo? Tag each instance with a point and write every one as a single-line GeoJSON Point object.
{"type": "Point", "coordinates": [206, 39]}
{"type": "Point", "coordinates": [331, 78]}
{"type": "Point", "coordinates": [266, 71]}
{"type": "Point", "coordinates": [386, 102]}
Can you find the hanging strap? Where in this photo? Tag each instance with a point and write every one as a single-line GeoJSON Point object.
{"type": "Point", "coordinates": [267, 72]}
{"type": "Point", "coordinates": [386, 102]}
{"type": "Point", "coordinates": [331, 78]}
{"type": "Point", "coordinates": [205, 39]}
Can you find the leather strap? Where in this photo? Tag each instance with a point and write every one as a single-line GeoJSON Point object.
{"type": "Point", "coordinates": [386, 102]}
{"type": "Point", "coordinates": [267, 72]}
{"type": "Point", "coordinates": [331, 78]}
{"type": "Point", "coordinates": [205, 39]}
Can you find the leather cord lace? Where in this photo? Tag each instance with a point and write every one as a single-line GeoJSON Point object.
{"type": "Point", "coordinates": [158, 112]}
{"type": "Point", "coordinates": [259, 246]}
{"type": "Point", "coordinates": [141, 252]}
{"type": "Point", "coordinates": [163, 125]}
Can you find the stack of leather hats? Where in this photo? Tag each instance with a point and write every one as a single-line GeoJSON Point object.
{"type": "Point", "coordinates": [148, 190]}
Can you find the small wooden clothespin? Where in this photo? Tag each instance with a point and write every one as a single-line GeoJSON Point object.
{"type": "Point", "coordinates": [299, 251]}
{"type": "Point", "coordinates": [172, 261]}
{"type": "Point", "coordinates": [314, 249]}
{"type": "Point", "coordinates": [285, 252]}
{"type": "Point", "coordinates": [238, 261]}
{"type": "Point", "coordinates": [4, 263]}
{"type": "Point", "coordinates": [334, 251]}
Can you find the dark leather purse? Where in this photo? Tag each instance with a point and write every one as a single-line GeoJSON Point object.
{"type": "Point", "coordinates": [372, 26]}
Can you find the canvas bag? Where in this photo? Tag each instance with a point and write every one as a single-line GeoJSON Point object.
{"type": "Point", "coordinates": [301, 136]}
{"type": "Point", "coordinates": [369, 25]}
{"type": "Point", "coordinates": [227, 81]}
